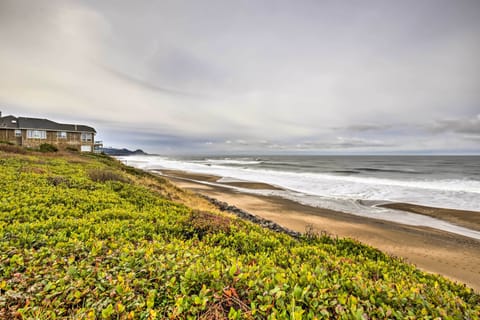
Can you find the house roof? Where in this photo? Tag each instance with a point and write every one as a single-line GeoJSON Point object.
{"type": "Point", "coordinates": [8, 122]}
{"type": "Point", "coordinates": [42, 124]}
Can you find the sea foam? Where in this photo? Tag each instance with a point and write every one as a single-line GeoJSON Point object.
{"type": "Point", "coordinates": [461, 194]}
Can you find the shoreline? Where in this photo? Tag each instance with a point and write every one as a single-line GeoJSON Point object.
{"type": "Point", "coordinates": [463, 218]}
{"type": "Point", "coordinates": [460, 222]}
{"type": "Point", "coordinates": [454, 256]}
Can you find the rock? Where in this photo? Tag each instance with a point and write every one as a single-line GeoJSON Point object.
{"type": "Point", "coordinates": [268, 224]}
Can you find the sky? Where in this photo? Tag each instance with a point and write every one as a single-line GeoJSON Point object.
{"type": "Point", "coordinates": [250, 77]}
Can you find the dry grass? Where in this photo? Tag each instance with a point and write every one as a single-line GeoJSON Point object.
{"type": "Point", "coordinates": [171, 192]}
{"type": "Point", "coordinates": [12, 149]}
{"type": "Point", "coordinates": [32, 169]}
{"type": "Point", "coordinates": [220, 309]}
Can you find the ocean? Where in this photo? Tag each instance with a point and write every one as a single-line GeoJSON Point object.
{"type": "Point", "coordinates": [352, 184]}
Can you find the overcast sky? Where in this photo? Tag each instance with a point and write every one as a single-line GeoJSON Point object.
{"type": "Point", "coordinates": [249, 76]}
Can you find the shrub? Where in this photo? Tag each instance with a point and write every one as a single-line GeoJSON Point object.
{"type": "Point", "coordinates": [46, 147]}
{"type": "Point", "coordinates": [103, 175]}
{"type": "Point", "coordinates": [202, 223]}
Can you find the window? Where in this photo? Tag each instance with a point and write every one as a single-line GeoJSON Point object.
{"type": "Point", "coordinates": [61, 135]}
{"type": "Point", "coordinates": [18, 133]}
{"type": "Point", "coordinates": [86, 137]}
{"type": "Point", "coordinates": [86, 148]}
{"type": "Point", "coordinates": [36, 134]}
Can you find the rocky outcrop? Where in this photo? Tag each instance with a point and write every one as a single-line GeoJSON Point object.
{"type": "Point", "coordinates": [252, 218]}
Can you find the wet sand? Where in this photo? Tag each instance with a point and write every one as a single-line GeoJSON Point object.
{"type": "Point", "coordinates": [467, 219]}
{"type": "Point", "coordinates": [454, 256]}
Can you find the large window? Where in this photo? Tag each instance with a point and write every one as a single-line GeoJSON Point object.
{"type": "Point", "coordinates": [18, 133]}
{"type": "Point", "coordinates": [61, 135]}
{"type": "Point", "coordinates": [36, 134]}
{"type": "Point", "coordinates": [87, 137]}
{"type": "Point", "coordinates": [87, 148]}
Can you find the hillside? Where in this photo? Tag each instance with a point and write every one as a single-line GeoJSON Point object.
{"type": "Point", "coordinates": [85, 236]}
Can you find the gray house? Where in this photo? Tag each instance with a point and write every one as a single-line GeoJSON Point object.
{"type": "Point", "coordinates": [32, 132]}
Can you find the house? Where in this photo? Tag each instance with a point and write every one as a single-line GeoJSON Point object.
{"type": "Point", "coordinates": [32, 132]}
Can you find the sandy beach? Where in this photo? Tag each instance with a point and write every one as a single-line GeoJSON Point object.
{"type": "Point", "coordinates": [454, 256]}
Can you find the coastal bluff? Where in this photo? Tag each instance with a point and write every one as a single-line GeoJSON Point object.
{"type": "Point", "coordinates": [84, 236]}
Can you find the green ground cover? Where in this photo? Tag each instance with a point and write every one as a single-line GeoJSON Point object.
{"type": "Point", "coordinates": [86, 237]}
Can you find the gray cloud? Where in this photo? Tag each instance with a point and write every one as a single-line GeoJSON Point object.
{"type": "Point", "coordinates": [468, 126]}
{"type": "Point", "coordinates": [376, 73]}
{"type": "Point", "coordinates": [343, 143]}
{"type": "Point", "coordinates": [365, 127]}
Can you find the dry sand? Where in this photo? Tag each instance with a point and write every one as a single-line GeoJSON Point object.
{"type": "Point", "coordinates": [435, 251]}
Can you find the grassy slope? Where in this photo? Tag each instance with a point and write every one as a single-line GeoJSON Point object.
{"type": "Point", "coordinates": [128, 245]}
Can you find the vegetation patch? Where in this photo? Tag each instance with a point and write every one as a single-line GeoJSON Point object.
{"type": "Point", "coordinates": [47, 147]}
{"type": "Point", "coordinates": [103, 175]}
{"type": "Point", "coordinates": [89, 240]}
{"type": "Point", "coordinates": [58, 180]}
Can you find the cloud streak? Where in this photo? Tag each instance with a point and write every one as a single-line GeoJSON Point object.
{"type": "Point", "coordinates": [150, 86]}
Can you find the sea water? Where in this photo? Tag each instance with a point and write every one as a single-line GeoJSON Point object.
{"type": "Point", "coordinates": [352, 184]}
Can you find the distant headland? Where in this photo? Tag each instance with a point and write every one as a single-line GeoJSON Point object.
{"type": "Point", "coordinates": [123, 152]}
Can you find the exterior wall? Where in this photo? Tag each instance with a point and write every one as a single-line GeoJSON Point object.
{"type": "Point", "coordinates": [73, 139]}
{"type": "Point", "coordinates": [7, 135]}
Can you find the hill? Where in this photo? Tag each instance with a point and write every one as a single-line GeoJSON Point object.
{"type": "Point", "coordinates": [123, 152]}
{"type": "Point", "coordinates": [84, 236]}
